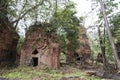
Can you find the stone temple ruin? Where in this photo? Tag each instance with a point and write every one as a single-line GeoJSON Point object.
{"type": "Point", "coordinates": [84, 51]}
{"type": "Point", "coordinates": [40, 48]}
{"type": "Point", "coordinates": [8, 45]}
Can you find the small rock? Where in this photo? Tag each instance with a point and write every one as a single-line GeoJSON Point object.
{"type": "Point", "coordinates": [91, 72]}
{"type": "Point", "coordinates": [63, 78]}
{"type": "Point", "coordinates": [71, 78]}
{"type": "Point", "coordinates": [4, 79]}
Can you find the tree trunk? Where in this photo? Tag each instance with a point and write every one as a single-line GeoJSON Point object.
{"type": "Point", "coordinates": [102, 46]}
{"type": "Point", "coordinates": [116, 58]}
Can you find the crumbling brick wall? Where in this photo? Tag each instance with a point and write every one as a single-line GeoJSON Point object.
{"type": "Point", "coordinates": [38, 40]}
{"type": "Point", "coordinates": [8, 45]}
{"type": "Point", "coordinates": [84, 51]}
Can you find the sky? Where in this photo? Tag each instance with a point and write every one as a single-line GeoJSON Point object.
{"type": "Point", "coordinates": [84, 9]}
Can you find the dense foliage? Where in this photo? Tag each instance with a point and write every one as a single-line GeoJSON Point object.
{"type": "Point", "coordinates": [68, 24]}
{"type": "Point", "coordinates": [115, 26]}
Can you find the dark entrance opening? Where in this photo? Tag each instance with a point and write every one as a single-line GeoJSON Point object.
{"type": "Point", "coordinates": [35, 61]}
{"type": "Point", "coordinates": [35, 51]}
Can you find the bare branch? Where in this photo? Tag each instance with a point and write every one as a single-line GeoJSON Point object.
{"type": "Point", "coordinates": [27, 12]}
{"type": "Point", "coordinates": [19, 15]}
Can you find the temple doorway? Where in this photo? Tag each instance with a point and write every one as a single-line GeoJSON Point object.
{"type": "Point", "coordinates": [35, 61]}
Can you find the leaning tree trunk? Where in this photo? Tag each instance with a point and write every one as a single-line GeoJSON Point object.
{"type": "Point", "coordinates": [116, 58]}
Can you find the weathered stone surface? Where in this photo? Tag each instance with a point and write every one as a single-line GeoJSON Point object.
{"type": "Point", "coordinates": [91, 72]}
{"type": "Point", "coordinates": [71, 78]}
{"type": "Point", "coordinates": [116, 76]}
{"type": "Point", "coordinates": [39, 48]}
{"type": "Point", "coordinates": [8, 45]}
{"type": "Point", "coordinates": [4, 79]}
{"type": "Point", "coordinates": [84, 51]}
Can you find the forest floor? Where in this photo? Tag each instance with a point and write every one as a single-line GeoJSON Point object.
{"type": "Point", "coordinates": [45, 73]}
{"type": "Point", "coordinates": [66, 72]}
